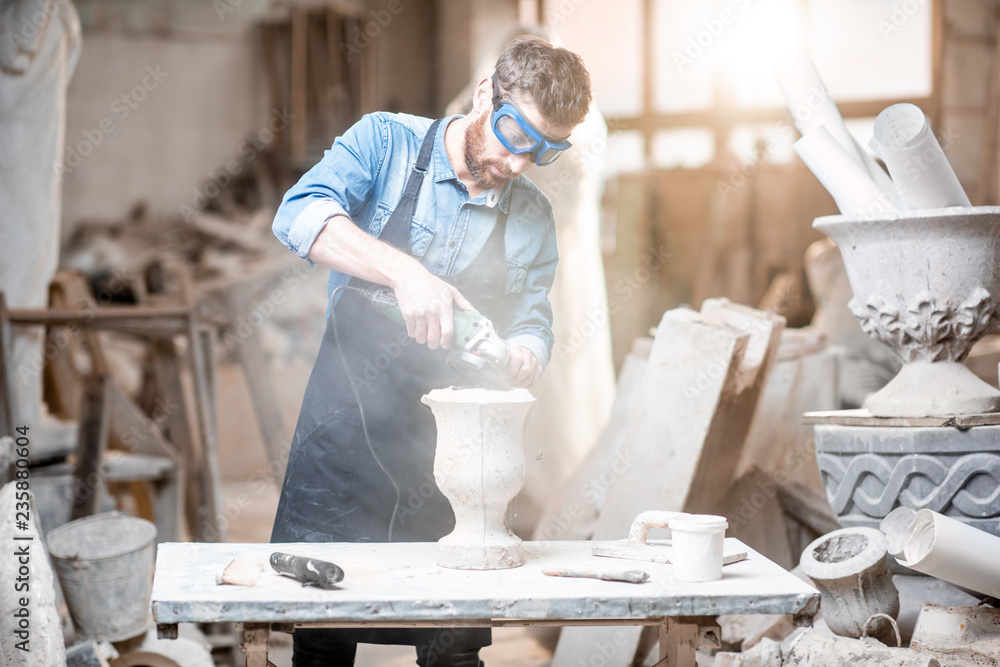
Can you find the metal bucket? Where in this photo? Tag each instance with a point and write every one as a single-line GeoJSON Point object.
{"type": "Point", "coordinates": [105, 565]}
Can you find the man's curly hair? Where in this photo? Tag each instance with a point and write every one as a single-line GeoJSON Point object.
{"type": "Point", "coordinates": [554, 78]}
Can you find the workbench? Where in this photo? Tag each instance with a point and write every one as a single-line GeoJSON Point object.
{"type": "Point", "coordinates": [400, 584]}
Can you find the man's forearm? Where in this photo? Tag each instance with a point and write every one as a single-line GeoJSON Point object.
{"type": "Point", "coordinates": [343, 247]}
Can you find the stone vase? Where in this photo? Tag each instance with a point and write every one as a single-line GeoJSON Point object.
{"type": "Point", "coordinates": [926, 283]}
{"type": "Point", "coordinates": [479, 467]}
{"type": "Point", "coordinates": [848, 567]}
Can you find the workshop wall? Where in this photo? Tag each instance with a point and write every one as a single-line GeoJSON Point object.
{"type": "Point", "coordinates": [167, 92]}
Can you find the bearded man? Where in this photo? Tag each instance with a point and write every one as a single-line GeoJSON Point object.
{"type": "Point", "coordinates": [440, 212]}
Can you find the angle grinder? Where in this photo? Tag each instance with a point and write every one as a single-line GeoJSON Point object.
{"type": "Point", "coordinates": [477, 353]}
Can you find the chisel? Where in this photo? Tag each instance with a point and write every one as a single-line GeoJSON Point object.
{"type": "Point", "coordinates": [310, 571]}
{"type": "Point", "coordinates": [628, 576]}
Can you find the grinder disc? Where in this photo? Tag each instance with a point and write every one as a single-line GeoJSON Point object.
{"type": "Point", "coordinates": [476, 370]}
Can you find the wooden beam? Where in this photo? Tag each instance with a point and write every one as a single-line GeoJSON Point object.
{"type": "Point", "coordinates": [299, 55]}
{"type": "Point", "coordinates": [717, 120]}
{"type": "Point", "coordinates": [91, 442]}
{"type": "Point", "coordinates": [7, 407]}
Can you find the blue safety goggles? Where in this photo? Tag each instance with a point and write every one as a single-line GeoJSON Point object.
{"type": "Point", "coordinates": [518, 135]}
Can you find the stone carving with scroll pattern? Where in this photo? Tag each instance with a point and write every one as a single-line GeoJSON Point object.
{"type": "Point", "coordinates": [868, 471]}
{"type": "Point", "coordinates": [928, 330]}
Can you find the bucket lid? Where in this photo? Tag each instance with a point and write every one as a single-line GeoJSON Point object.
{"type": "Point", "coordinates": [107, 535]}
{"type": "Point", "coordinates": [709, 523]}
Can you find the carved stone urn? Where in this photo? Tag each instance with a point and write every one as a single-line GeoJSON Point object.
{"type": "Point", "coordinates": [926, 283]}
{"type": "Point", "coordinates": [479, 467]}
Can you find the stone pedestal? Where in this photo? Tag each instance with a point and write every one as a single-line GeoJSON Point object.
{"type": "Point", "coordinates": [479, 467]}
{"type": "Point", "coordinates": [871, 466]}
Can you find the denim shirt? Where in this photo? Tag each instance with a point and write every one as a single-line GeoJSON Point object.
{"type": "Point", "coordinates": [362, 177]}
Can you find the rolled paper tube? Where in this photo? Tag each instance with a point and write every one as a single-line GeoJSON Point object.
{"type": "Point", "coordinates": [955, 552]}
{"type": "Point", "coordinates": [894, 526]}
{"type": "Point", "coordinates": [847, 182]}
{"type": "Point", "coordinates": [920, 171]}
{"type": "Point", "coordinates": [812, 106]}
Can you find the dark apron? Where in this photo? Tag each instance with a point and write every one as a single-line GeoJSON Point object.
{"type": "Point", "coordinates": [334, 489]}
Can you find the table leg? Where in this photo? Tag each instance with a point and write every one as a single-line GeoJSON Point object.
{"type": "Point", "coordinates": [678, 641]}
{"type": "Point", "coordinates": [254, 645]}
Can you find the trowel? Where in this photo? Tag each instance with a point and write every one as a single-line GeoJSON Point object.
{"type": "Point", "coordinates": [639, 547]}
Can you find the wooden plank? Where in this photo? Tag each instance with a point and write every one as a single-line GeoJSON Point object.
{"type": "Point", "coordinates": [96, 316]}
{"type": "Point", "coordinates": [8, 398]}
{"type": "Point", "coordinates": [265, 401]}
{"type": "Point", "coordinates": [178, 423]}
{"type": "Point", "coordinates": [684, 438]}
{"type": "Point", "coordinates": [678, 643]}
{"type": "Point", "coordinates": [861, 417]}
{"type": "Point", "coordinates": [401, 583]}
{"type": "Point", "coordinates": [133, 431]}
{"type": "Point", "coordinates": [254, 645]}
{"type": "Point", "coordinates": [299, 100]}
{"type": "Point", "coordinates": [214, 521]}
{"type": "Point", "coordinates": [95, 414]}
{"type": "Point", "coordinates": [808, 507]}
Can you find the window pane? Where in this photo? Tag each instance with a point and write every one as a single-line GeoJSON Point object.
{"type": "Point", "coordinates": [683, 45]}
{"type": "Point", "coordinates": [689, 148]}
{"type": "Point", "coordinates": [607, 35]}
{"type": "Point", "coordinates": [872, 49]}
{"type": "Point", "coordinates": [624, 154]}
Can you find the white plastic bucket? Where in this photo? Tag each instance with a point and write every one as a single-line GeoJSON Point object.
{"type": "Point", "coordinates": [697, 546]}
{"type": "Point", "coordinates": [105, 566]}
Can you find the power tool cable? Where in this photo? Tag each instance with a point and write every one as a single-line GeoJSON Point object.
{"type": "Point", "coordinates": [361, 410]}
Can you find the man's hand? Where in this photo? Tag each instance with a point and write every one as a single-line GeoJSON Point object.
{"type": "Point", "coordinates": [426, 303]}
{"type": "Point", "coordinates": [523, 370]}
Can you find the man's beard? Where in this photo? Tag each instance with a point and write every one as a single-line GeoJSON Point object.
{"type": "Point", "coordinates": [479, 166]}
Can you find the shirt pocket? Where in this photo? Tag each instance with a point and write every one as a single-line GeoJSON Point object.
{"type": "Point", "coordinates": [420, 234]}
{"type": "Point", "coordinates": [516, 273]}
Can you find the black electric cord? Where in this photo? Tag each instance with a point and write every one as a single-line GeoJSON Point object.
{"type": "Point", "coordinates": [361, 410]}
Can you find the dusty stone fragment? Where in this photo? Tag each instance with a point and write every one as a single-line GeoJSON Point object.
{"type": "Point", "coordinates": [767, 653]}
{"type": "Point", "coordinates": [815, 649]}
{"type": "Point", "coordinates": [848, 567]}
{"type": "Point", "coordinates": [959, 635]}
{"type": "Point", "coordinates": [28, 608]}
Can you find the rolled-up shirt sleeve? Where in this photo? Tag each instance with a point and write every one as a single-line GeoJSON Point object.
{"type": "Point", "coordinates": [531, 324]}
{"type": "Point", "coordinates": [341, 183]}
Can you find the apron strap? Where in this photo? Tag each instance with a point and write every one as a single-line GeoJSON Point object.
{"type": "Point", "coordinates": [396, 231]}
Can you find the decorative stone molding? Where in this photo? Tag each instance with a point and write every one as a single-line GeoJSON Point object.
{"type": "Point", "coordinates": [896, 475]}
{"type": "Point", "coordinates": [868, 471]}
{"type": "Point", "coordinates": [928, 330]}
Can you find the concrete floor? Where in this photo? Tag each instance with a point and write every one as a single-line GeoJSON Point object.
{"type": "Point", "coordinates": [250, 506]}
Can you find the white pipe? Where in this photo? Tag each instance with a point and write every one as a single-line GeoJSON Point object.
{"type": "Point", "coordinates": [922, 174]}
{"type": "Point", "coordinates": [850, 185]}
{"type": "Point", "coordinates": [953, 551]}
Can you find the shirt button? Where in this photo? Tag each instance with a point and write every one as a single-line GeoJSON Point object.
{"type": "Point", "coordinates": [451, 245]}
